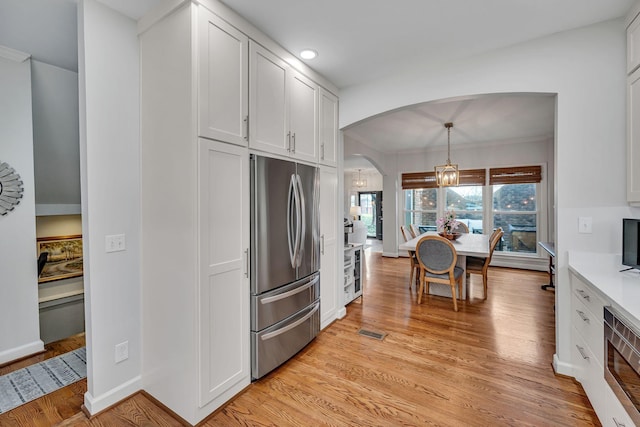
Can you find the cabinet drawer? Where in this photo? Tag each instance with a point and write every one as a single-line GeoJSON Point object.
{"type": "Point", "coordinates": [589, 373]}
{"type": "Point", "coordinates": [274, 345]}
{"type": "Point", "coordinates": [616, 415]}
{"type": "Point", "coordinates": [589, 325]}
{"type": "Point", "coordinates": [588, 296]}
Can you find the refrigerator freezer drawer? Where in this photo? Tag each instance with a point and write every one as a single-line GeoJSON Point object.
{"type": "Point", "coordinates": [277, 344]}
{"type": "Point", "coordinates": [272, 307]}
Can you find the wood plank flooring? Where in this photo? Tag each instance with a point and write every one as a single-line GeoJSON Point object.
{"type": "Point", "coordinates": [487, 365]}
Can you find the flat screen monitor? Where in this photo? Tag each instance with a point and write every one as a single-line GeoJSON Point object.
{"type": "Point", "coordinates": [630, 242]}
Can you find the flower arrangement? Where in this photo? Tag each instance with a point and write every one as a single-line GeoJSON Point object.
{"type": "Point", "coordinates": [448, 222]}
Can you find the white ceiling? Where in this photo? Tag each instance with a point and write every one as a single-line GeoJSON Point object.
{"type": "Point", "coordinates": [362, 40]}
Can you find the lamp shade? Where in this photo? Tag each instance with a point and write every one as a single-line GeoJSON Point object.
{"type": "Point", "coordinates": [355, 211]}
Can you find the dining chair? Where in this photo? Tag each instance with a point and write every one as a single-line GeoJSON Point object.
{"type": "Point", "coordinates": [477, 265]}
{"type": "Point", "coordinates": [462, 228]}
{"type": "Point", "coordinates": [437, 258]}
{"type": "Point", "coordinates": [415, 231]}
{"type": "Point", "coordinates": [415, 267]}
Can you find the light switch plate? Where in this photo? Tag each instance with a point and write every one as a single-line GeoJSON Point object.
{"type": "Point", "coordinates": [115, 243]}
{"type": "Point", "coordinates": [585, 224]}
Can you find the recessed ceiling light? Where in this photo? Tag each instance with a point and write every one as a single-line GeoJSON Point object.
{"type": "Point", "coordinates": [308, 54]}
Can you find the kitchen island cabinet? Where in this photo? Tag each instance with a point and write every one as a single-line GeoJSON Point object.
{"type": "Point", "coordinates": [596, 282]}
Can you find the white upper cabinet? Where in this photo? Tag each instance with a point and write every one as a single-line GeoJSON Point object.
{"type": "Point", "coordinates": [633, 138]}
{"type": "Point", "coordinates": [328, 132]}
{"type": "Point", "coordinates": [283, 116]}
{"type": "Point", "coordinates": [268, 107]}
{"type": "Point", "coordinates": [223, 78]}
{"type": "Point", "coordinates": [303, 113]}
{"type": "Point", "coordinates": [633, 45]}
{"type": "Point", "coordinates": [633, 107]}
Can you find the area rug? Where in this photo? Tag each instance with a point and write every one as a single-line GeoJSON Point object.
{"type": "Point", "coordinates": [26, 384]}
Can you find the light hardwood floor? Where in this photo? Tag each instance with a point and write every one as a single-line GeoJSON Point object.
{"type": "Point", "coordinates": [487, 365]}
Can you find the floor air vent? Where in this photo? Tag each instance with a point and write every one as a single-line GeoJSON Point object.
{"type": "Point", "coordinates": [371, 334]}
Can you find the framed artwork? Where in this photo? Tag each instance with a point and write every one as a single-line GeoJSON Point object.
{"type": "Point", "coordinates": [63, 259]}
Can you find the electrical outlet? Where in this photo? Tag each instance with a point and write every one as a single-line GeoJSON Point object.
{"type": "Point", "coordinates": [122, 351]}
{"type": "Point", "coordinates": [585, 224]}
{"type": "Point", "coordinates": [115, 243]}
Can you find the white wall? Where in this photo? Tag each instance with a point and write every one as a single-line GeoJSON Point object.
{"type": "Point", "coordinates": [586, 68]}
{"type": "Point", "coordinates": [19, 329]}
{"type": "Point", "coordinates": [110, 169]}
{"type": "Point", "coordinates": [55, 139]}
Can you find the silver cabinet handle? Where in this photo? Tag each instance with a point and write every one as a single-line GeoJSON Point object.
{"type": "Point", "coordinates": [584, 295]}
{"type": "Point", "coordinates": [582, 316]}
{"type": "Point", "coordinates": [322, 244]}
{"type": "Point", "coordinates": [581, 350]}
{"type": "Point", "coordinates": [246, 263]}
{"type": "Point", "coordinates": [322, 151]}
{"type": "Point", "coordinates": [289, 141]}
{"type": "Point", "coordinates": [617, 423]}
{"type": "Point", "coordinates": [246, 128]}
{"type": "Point", "coordinates": [293, 142]}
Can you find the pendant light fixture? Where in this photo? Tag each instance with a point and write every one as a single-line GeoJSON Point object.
{"type": "Point", "coordinates": [359, 183]}
{"type": "Point", "coordinates": [447, 175]}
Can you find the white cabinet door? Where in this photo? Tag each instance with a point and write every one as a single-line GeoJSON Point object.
{"type": "Point", "coordinates": [633, 137]}
{"type": "Point", "coordinates": [268, 102]}
{"type": "Point", "coordinates": [328, 245]}
{"type": "Point", "coordinates": [223, 80]}
{"type": "Point", "coordinates": [224, 284]}
{"type": "Point", "coordinates": [303, 112]}
{"type": "Point", "coordinates": [328, 128]}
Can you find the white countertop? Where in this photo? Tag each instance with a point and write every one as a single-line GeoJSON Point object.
{"type": "Point", "coordinates": [603, 272]}
{"type": "Point", "coordinates": [467, 244]}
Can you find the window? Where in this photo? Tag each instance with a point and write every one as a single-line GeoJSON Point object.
{"type": "Point", "coordinates": [466, 201]}
{"type": "Point", "coordinates": [512, 200]}
{"type": "Point", "coordinates": [515, 206]}
{"type": "Point", "coordinates": [421, 208]}
{"type": "Point", "coordinates": [515, 210]}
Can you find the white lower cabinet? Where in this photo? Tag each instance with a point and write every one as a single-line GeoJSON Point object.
{"type": "Point", "coordinates": [224, 270]}
{"type": "Point", "coordinates": [328, 245]}
{"type": "Point", "coordinates": [587, 352]}
{"type": "Point", "coordinates": [615, 415]}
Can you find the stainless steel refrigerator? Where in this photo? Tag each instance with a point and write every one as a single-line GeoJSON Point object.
{"type": "Point", "coordinates": [285, 259]}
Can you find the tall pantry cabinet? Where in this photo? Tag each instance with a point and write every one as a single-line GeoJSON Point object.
{"type": "Point", "coordinates": [204, 106]}
{"type": "Point", "coordinates": [195, 211]}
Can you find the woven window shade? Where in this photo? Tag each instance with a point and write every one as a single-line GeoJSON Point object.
{"type": "Point", "coordinates": [473, 177]}
{"type": "Point", "coordinates": [412, 181]}
{"type": "Point", "coordinates": [517, 175]}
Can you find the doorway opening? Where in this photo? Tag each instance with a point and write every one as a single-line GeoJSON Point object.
{"type": "Point", "coordinates": [370, 203]}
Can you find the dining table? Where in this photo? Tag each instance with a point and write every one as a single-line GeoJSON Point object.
{"type": "Point", "coordinates": [468, 244]}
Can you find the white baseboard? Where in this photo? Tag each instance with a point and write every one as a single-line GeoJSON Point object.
{"type": "Point", "coordinates": [22, 351]}
{"type": "Point", "coordinates": [562, 368]}
{"type": "Point", "coordinates": [95, 405]}
{"type": "Point", "coordinates": [341, 313]}
{"type": "Point", "coordinates": [390, 254]}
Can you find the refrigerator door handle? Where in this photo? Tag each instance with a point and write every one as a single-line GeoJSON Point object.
{"type": "Point", "coordinates": [303, 218]}
{"type": "Point", "coordinates": [291, 240]}
{"type": "Point", "coordinates": [287, 294]}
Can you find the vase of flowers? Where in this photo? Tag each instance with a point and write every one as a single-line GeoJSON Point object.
{"type": "Point", "coordinates": [447, 224]}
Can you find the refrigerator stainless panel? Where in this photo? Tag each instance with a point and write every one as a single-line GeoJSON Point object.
{"type": "Point", "coordinates": [309, 184]}
{"type": "Point", "coordinates": [270, 183]}
{"type": "Point", "coordinates": [277, 344]}
{"type": "Point", "coordinates": [271, 307]}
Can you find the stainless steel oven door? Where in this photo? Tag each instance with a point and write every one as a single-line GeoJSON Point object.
{"type": "Point", "coordinates": [622, 362]}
